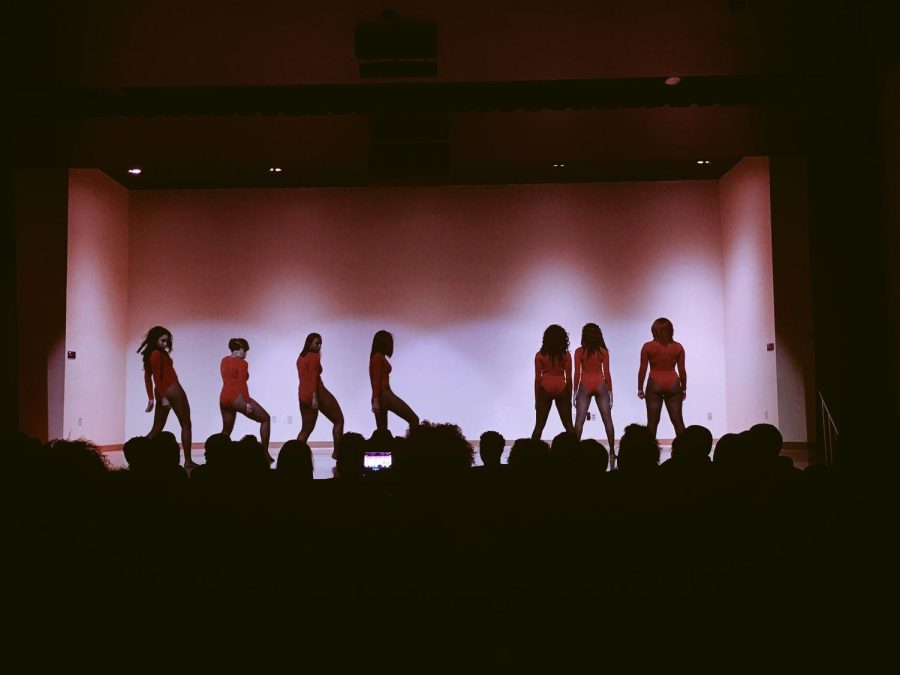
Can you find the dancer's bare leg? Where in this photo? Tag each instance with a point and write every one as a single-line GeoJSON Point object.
{"type": "Point", "coordinates": [329, 406]}
{"type": "Point", "coordinates": [541, 413]}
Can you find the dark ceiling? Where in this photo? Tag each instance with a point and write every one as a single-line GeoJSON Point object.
{"type": "Point", "coordinates": [206, 94]}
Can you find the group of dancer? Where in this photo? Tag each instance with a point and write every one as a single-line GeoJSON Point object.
{"type": "Point", "coordinates": [553, 384]}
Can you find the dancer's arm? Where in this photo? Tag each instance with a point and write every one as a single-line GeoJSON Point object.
{"type": "Point", "coordinates": [642, 372]}
{"type": "Point", "coordinates": [682, 374]}
{"type": "Point", "coordinates": [243, 376]}
{"type": "Point", "coordinates": [376, 368]}
{"type": "Point", "coordinates": [567, 364]}
{"type": "Point", "coordinates": [604, 355]}
{"type": "Point", "coordinates": [148, 382]}
{"type": "Point", "coordinates": [577, 380]}
{"type": "Point", "coordinates": [537, 376]}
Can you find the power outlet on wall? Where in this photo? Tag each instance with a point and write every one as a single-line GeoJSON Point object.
{"type": "Point", "coordinates": [709, 417]}
{"type": "Point", "coordinates": [274, 419]}
{"type": "Point", "coordinates": [290, 419]}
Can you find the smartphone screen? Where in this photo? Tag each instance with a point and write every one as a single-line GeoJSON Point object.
{"type": "Point", "coordinates": [377, 460]}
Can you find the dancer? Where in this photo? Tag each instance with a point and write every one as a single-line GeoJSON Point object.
{"type": "Point", "coordinates": [553, 380]}
{"type": "Point", "coordinates": [593, 380]}
{"type": "Point", "coordinates": [383, 398]}
{"type": "Point", "coordinates": [235, 396]}
{"type": "Point", "coordinates": [164, 392]}
{"type": "Point", "coordinates": [664, 384]}
{"type": "Point", "coordinates": [314, 396]}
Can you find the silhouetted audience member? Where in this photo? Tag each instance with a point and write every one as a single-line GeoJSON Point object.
{"type": "Point", "coordinates": [490, 448]}
{"type": "Point", "coordinates": [351, 460]}
{"type": "Point", "coordinates": [217, 451]}
{"type": "Point", "coordinates": [562, 450]}
{"type": "Point", "coordinates": [591, 458]}
{"type": "Point", "coordinates": [638, 450]}
{"type": "Point", "coordinates": [436, 451]}
{"type": "Point", "coordinates": [693, 445]}
{"type": "Point", "coordinates": [74, 461]}
{"type": "Point", "coordinates": [529, 457]}
{"type": "Point", "coordinates": [295, 461]}
{"type": "Point", "coordinates": [136, 451]}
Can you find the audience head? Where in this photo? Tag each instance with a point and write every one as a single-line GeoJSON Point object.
{"type": "Point", "coordinates": [295, 460]}
{"type": "Point", "coordinates": [529, 456]}
{"type": "Point", "coordinates": [383, 343]}
{"type": "Point", "coordinates": [165, 449]}
{"type": "Point", "coordinates": [563, 449]}
{"type": "Point", "coordinates": [437, 450]}
{"type": "Point", "coordinates": [638, 450]}
{"type": "Point", "coordinates": [727, 451]}
{"type": "Point", "coordinates": [137, 452]}
{"type": "Point", "coordinates": [490, 447]}
{"type": "Point", "coordinates": [352, 456]}
{"type": "Point", "coordinates": [216, 450]}
{"type": "Point", "coordinates": [381, 440]}
{"type": "Point", "coordinates": [765, 439]}
{"type": "Point", "coordinates": [662, 330]}
{"type": "Point", "coordinates": [79, 460]}
{"type": "Point", "coordinates": [250, 454]}
{"type": "Point", "coordinates": [591, 458]}
{"type": "Point", "coordinates": [694, 444]}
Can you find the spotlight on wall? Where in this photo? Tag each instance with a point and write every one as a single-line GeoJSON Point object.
{"type": "Point", "coordinates": [135, 171]}
{"type": "Point", "coordinates": [672, 80]}
{"type": "Point", "coordinates": [274, 169]}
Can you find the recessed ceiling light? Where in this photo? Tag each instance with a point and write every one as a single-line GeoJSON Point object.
{"type": "Point", "coordinates": [274, 169]}
{"type": "Point", "coordinates": [135, 171]}
{"type": "Point", "coordinates": [673, 80]}
{"type": "Point", "coordinates": [703, 161]}
{"type": "Point", "coordinates": [559, 165]}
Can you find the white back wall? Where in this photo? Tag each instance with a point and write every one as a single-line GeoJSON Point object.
{"type": "Point", "coordinates": [466, 278]}
{"type": "Point", "coordinates": [752, 390]}
{"type": "Point", "coordinates": [96, 308]}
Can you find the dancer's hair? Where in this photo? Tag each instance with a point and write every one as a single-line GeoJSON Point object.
{"type": "Point", "coordinates": [383, 343]}
{"type": "Point", "coordinates": [238, 343]}
{"type": "Point", "coordinates": [307, 345]}
{"type": "Point", "coordinates": [555, 342]}
{"type": "Point", "coordinates": [663, 330]}
{"type": "Point", "coordinates": [149, 345]}
{"type": "Point", "coordinates": [592, 339]}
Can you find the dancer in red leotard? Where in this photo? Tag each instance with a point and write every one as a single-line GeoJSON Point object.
{"type": "Point", "coordinates": [235, 396]}
{"type": "Point", "coordinates": [552, 380]}
{"type": "Point", "coordinates": [664, 385]}
{"type": "Point", "coordinates": [164, 392]}
{"type": "Point", "coordinates": [383, 398]}
{"type": "Point", "coordinates": [593, 381]}
{"type": "Point", "coordinates": [313, 394]}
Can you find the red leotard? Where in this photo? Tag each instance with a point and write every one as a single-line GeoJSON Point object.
{"type": "Point", "coordinates": [379, 371]}
{"type": "Point", "coordinates": [309, 370]}
{"type": "Point", "coordinates": [593, 371]}
{"type": "Point", "coordinates": [662, 359]}
{"type": "Point", "coordinates": [162, 373]}
{"type": "Point", "coordinates": [551, 373]}
{"type": "Point", "coordinates": [235, 374]}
